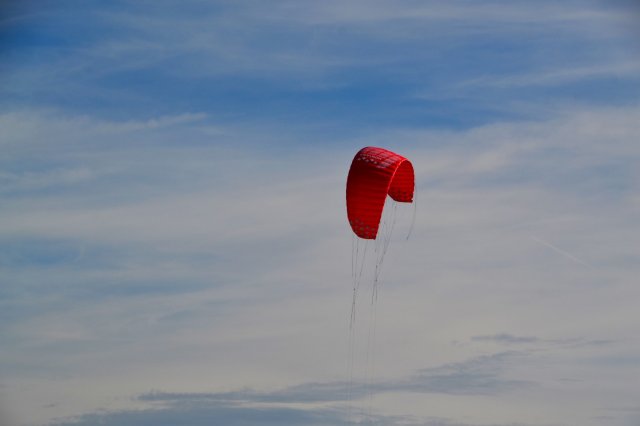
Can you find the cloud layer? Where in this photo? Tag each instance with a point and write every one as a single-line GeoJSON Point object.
{"type": "Point", "coordinates": [173, 246]}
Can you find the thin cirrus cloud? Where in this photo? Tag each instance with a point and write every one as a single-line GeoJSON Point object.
{"type": "Point", "coordinates": [232, 61]}
{"type": "Point", "coordinates": [172, 239]}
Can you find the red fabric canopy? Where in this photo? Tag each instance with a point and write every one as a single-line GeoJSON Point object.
{"type": "Point", "coordinates": [374, 173]}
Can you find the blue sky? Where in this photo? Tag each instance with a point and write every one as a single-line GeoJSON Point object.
{"type": "Point", "coordinates": [173, 239]}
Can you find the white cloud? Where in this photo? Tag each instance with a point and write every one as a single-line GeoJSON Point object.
{"type": "Point", "coordinates": [200, 250]}
{"type": "Point", "coordinates": [622, 68]}
{"type": "Point", "coordinates": [265, 258]}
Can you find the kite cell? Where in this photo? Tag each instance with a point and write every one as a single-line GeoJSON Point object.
{"type": "Point", "coordinates": [374, 174]}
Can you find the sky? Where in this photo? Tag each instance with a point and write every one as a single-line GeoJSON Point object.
{"type": "Point", "coordinates": [174, 246]}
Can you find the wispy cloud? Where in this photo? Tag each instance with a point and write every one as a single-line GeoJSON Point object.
{"type": "Point", "coordinates": [182, 268]}
{"type": "Point", "coordinates": [505, 338]}
{"type": "Point", "coordinates": [198, 413]}
{"type": "Point", "coordinates": [477, 376]}
{"type": "Point", "coordinates": [172, 215]}
{"type": "Point", "coordinates": [623, 69]}
{"type": "Point", "coordinates": [299, 404]}
{"type": "Point", "coordinates": [249, 60]}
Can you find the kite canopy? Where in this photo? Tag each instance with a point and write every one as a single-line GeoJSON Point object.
{"type": "Point", "coordinates": [374, 173]}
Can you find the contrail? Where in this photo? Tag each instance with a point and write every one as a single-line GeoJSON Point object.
{"type": "Point", "coordinates": [562, 252]}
